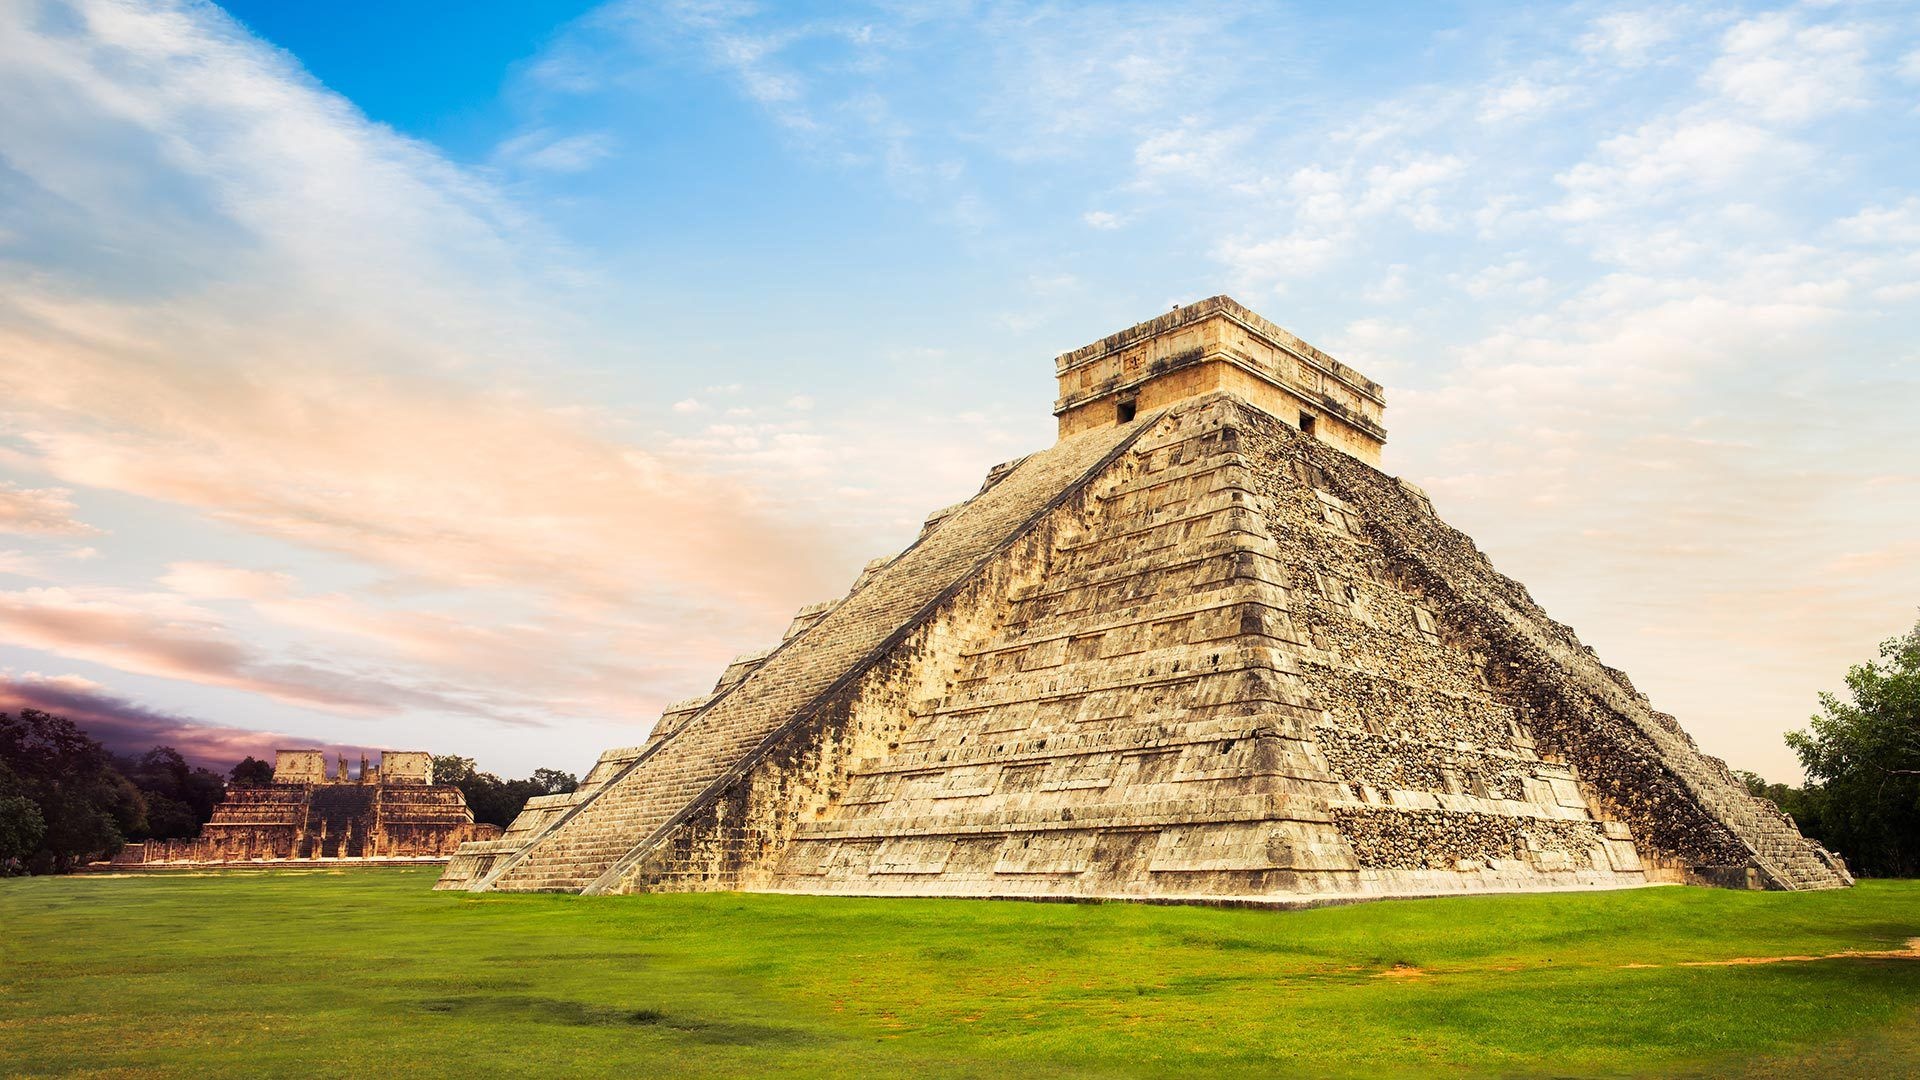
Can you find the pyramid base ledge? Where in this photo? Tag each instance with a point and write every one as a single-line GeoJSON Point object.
{"type": "Point", "coordinates": [1287, 902]}
{"type": "Point", "coordinates": [1283, 889]}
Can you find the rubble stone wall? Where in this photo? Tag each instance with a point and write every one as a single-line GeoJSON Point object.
{"type": "Point", "coordinates": [1692, 820]}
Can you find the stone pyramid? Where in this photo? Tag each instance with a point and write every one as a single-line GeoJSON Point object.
{"type": "Point", "coordinates": [1202, 648]}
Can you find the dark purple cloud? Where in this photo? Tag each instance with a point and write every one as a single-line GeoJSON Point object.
{"type": "Point", "coordinates": [127, 727]}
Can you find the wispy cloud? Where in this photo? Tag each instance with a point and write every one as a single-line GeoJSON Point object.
{"type": "Point", "coordinates": [1630, 37]}
{"type": "Point", "coordinates": [39, 511]}
{"type": "Point", "coordinates": [1788, 72]}
{"type": "Point", "coordinates": [546, 151]}
{"type": "Point", "coordinates": [161, 635]}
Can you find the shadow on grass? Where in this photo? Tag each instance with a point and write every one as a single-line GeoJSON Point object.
{"type": "Point", "coordinates": [518, 1009]}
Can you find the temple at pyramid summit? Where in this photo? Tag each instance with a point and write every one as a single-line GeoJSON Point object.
{"type": "Point", "coordinates": [1201, 649]}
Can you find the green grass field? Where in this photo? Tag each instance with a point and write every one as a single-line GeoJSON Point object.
{"type": "Point", "coordinates": [369, 973]}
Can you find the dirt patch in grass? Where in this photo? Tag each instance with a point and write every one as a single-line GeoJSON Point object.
{"type": "Point", "coordinates": [1911, 952]}
{"type": "Point", "coordinates": [1402, 971]}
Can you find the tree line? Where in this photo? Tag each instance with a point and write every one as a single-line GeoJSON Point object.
{"type": "Point", "coordinates": [495, 800]}
{"type": "Point", "coordinates": [1861, 754]}
{"type": "Point", "coordinates": [66, 800]}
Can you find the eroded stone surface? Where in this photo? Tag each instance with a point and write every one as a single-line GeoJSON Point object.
{"type": "Point", "coordinates": [1199, 649]}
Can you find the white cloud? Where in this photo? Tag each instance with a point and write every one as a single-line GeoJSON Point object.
{"type": "Point", "coordinates": [1629, 38]}
{"type": "Point", "coordinates": [1056, 77]}
{"type": "Point", "coordinates": [1389, 289]}
{"type": "Point", "coordinates": [1193, 150]}
{"type": "Point", "coordinates": [1893, 225]}
{"type": "Point", "coordinates": [1319, 197]}
{"type": "Point", "coordinates": [545, 151]}
{"type": "Point", "coordinates": [1519, 99]}
{"type": "Point", "coordinates": [688, 405]}
{"type": "Point", "coordinates": [1789, 73]}
{"type": "Point", "coordinates": [1101, 219]}
{"type": "Point", "coordinates": [1515, 277]}
{"type": "Point", "coordinates": [1330, 205]}
{"type": "Point", "coordinates": [20, 564]}
{"type": "Point", "coordinates": [1377, 347]}
{"type": "Point", "coordinates": [1670, 158]}
{"type": "Point", "coordinates": [1411, 188]}
{"type": "Point", "coordinates": [1278, 259]}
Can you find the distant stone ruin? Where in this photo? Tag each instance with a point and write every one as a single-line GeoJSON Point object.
{"type": "Point", "coordinates": [1202, 648]}
{"type": "Point", "coordinates": [391, 812]}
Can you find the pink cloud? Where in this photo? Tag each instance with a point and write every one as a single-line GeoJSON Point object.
{"type": "Point", "coordinates": [163, 635]}
{"type": "Point", "coordinates": [42, 511]}
{"type": "Point", "coordinates": [425, 476]}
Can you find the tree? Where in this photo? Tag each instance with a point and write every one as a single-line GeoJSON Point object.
{"type": "Point", "coordinates": [179, 797]}
{"type": "Point", "coordinates": [88, 808]}
{"type": "Point", "coordinates": [251, 772]}
{"type": "Point", "coordinates": [21, 826]}
{"type": "Point", "coordinates": [21, 831]}
{"type": "Point", "coordinates": [1862, 758]}
{"type": "Point", "coordinates": [554, 782]}
{"type": "Point", "coordinates": [493, 800]}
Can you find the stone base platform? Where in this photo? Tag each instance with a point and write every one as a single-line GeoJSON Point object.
{"type": "Point", "coordinates": [265, 864]}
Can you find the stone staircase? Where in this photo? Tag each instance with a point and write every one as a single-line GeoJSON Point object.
{"type": "Point", "coordinates": [625, 817]}
{"type": "Point", "coordinates": [1119, 697]}
{"type": "Point", "coordinates": [332, 810]}
{"type": "Point", "coordinates": [1780, 852]}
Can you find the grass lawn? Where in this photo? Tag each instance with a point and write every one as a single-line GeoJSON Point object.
{"type": "Point", "coordinates": [368, 973]}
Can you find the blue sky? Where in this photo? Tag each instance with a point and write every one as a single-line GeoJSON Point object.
{"type": "Point", "coordinates": [375, 376]}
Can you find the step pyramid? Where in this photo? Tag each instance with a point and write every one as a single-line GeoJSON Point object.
{"type": "Point", "coordinates": [1202, 648]}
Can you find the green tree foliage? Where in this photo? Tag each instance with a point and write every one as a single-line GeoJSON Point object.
{"type": "Point", "coordinates": [492, 799]}
{"type": "Point", "coordinates": [179, 798]}
{"type": "Point", "coordinates": [451, 768]}
{"type": "Point", "coordinates": [251, 772]}
{"type": "Point", "coordinates": [87, 809]}
{"type": "Point", "coordinates": [21, 826]}
{"type": "Point", "coordinates": [555, 782]}
{"type": "Point", "coordinates": [1862, 758]}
